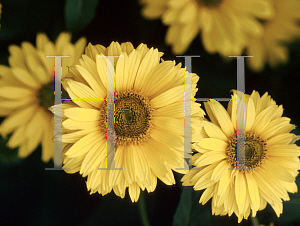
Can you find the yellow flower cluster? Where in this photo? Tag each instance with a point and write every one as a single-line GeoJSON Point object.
{"type": "Point", "coordinates": [149, 107]}
{"type": "Point", "coordinates": [228, 27]}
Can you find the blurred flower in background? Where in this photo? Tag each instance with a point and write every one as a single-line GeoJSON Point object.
{"type": "Point", "coordinates": [27, 92]}
{"type": "Point", "coordinates": [270, 47]}
{"type": "Point", "coordinates": [149, 119]}
{"type": "Point", "coordinates": [271, 158]}
{"type": "Point", "coordinates": [224, 25]}
{"type": "Point", "coordinates": [228, 27]}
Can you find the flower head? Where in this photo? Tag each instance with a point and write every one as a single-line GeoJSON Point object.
{"type": "Point", "coordinates": [270, 47]}
{"type": "Point", "coordinates": [224, 24]}
{"type": "Point", "coordinates": [27, 92]}
{"type": "Point", "coordinates": [271, 158]}
{"type": "Point", "coordinates": [149, 119]}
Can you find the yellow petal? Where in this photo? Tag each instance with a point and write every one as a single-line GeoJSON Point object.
{"type": "Point", "coordinates": [220, 170]}
{"type": "Point", "coordinates": [129, 168]}
{"type": "Point", "coordinates": [263, 119]}
{"type": "Point", "coordinates": [35, 128]}
{"type": "Point", "coordinates": [96, 154]}
{"type": "Point", "coordinates": [240, 190]}
{"type": "Point", "coordinates": [166, 153]}
{"type": "Point", "coordinates": [89, 78]}
{"type": "Point", "coordinates": [213, 144]}
{"type": "Point", "coordinates": [121, 73]}
{"type": "Point", "coordinates": [84, 145]}
{"type": "Point", "coordinates": [285, 162]}
{"type": "Point", "coordinates": [274, 126]}
{"type": "Point", "coordinates": [250, 115]}
{"type": "Point", "coordinates": [210, 158]}
{"type": "Point", "coordinates": [47, 143]}
{"type": "Point", "coordinates": [150, 60]}
{"type": "Point", "coordinates": [284, 150]}
{"type": "Point", "coordinates": [284, 138]}
{"type": "Point", "coordinates": [82, 114]}
{"type": "Point", "coordinates": [214, 131]}
{"type": "Point", "coordinates": [222, 117]}
{"type": "Point", "coordinates": [17, 118]}
{"type": "Point", "coordinates": [7, 106]}
{"type": "Point", "coordinates": [277, 171]}
{"type": "Point", "coordinates": [134, 192]}
{"type": "Point", "coordinates": [169, 139]}
{"type": "Point", "coordinates": [253, 191]}
{"type": "Point", "coordinates": [79, 125]}
{"type": "Point", "coordinates": [224, 183]}
{"type": "Point", "coordinates": [26, 78]}
{"type": "Point", "coordinates": [207, 194]}
{"type": "Point", "coordinates": [17, 137]}
{"type": "Point", "coordinates": [155, 163]}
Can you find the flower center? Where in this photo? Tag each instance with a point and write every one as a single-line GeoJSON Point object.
{"type": "Point", "coordinates": [132, 118]}
{"type": "Point", "coordinates": [255, 151]}
{"type": "Point", "coordinates": [46, 95]}
{"type": "Point", "coordinates": [209, 3]}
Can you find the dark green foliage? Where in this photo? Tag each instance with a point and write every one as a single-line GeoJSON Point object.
{"type": "Point", "coordinates": [79, 14]}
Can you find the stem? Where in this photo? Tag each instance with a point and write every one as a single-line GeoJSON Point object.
{"type": "Point", "coordinates": [254, 221]}
{"type": "Point", "coordinates": [143, 210]}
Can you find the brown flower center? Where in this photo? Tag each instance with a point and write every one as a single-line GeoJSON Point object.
{"type": "Point", "coordinates": [255, 151]}
{"type": "Point", "coordinates": [133, 115]}
{"type": "Point", "coordinates": [46, 95]}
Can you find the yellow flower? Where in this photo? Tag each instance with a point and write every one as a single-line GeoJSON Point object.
{"type": "Point", "coordinates": [149, 119]}
{"type": "Point", "coordinates": [271, 158]}
{"type": "Point", "coordinates": [270, 46]}
{"type": "Point", "coordinates": [224, 24]}
{"type": "Point", "coordinates": [27, 92]}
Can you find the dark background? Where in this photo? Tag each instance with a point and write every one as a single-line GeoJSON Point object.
{"type": "Point", "coordinates": [30, 195]}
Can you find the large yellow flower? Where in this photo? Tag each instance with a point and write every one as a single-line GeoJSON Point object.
{"type": "Point", "coordinates": [27, 92]}
{"type": "Point", "coordinates": [224, 24]}
{"type": "Point", "coordinates": [271, 158]}
{"type": "Point", "coordinates": [149, 119]}
{"type": "Point", "coordinates": [270, 46]}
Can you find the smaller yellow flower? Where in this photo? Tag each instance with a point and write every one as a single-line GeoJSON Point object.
{"type": "Point", "coordinates": [270, 46]}
{"type": "Point", "coordinates": [271, 158]}
{"type": "Point", "coordinates": [27, 89]}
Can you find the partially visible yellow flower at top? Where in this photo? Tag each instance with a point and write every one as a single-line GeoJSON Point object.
{"type": "Point", "coordinates": [27, 91]}
{"type": "Point", "coordinates": [271, 158]}
{"type": "Point", "coordinates": [224, 25]}
{"type": "Point", "coordinates": [270, 46]}
{"type": "Point", "coordinates": [149, 119]}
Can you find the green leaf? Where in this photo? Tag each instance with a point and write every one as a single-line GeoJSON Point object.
{"type": "Point", "coordinates": [189, 211]}
{"type": "Point", "coordinates": [79, 13]}
{"type": "Point", "coordinates": [183, 212]}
